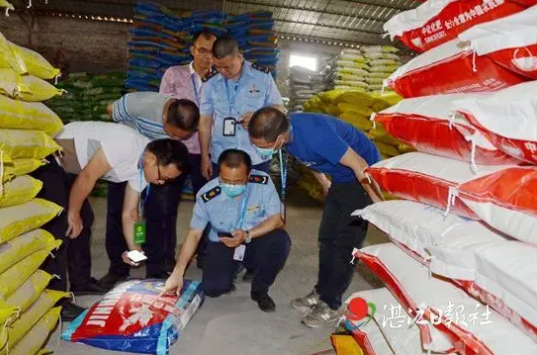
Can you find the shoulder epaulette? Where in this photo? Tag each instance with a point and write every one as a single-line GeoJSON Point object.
{"type": "Point", "coordinates": [259, 179]}
{"type": "Point", "coordinates": [212, 193]}
{"type": "Point", "coordinates": [261, 68]}
{"type": "Point", "coordinates": [211, 74]}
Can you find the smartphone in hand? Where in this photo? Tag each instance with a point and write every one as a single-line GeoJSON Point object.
{"type": "Point", "coordinates": [136, 256]}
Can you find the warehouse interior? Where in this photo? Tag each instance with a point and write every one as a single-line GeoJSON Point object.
{"type": "Point", "coordinates": [442, 89]}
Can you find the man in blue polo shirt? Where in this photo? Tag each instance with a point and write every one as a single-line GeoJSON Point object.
{"type": "Point", "coordinates": [328, 146]}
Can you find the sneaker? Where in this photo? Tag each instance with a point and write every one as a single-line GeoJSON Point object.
{"type": "Point", "coordinates": [264, 301]}
{"type": "Point", "coordinates": [320, 314]}
{"type": "Point", "coordinates": [111, 279]}
{"type": "Point", "coordinates": [93, 287]}
{"type": "Point", "coordinates": [304, 304]}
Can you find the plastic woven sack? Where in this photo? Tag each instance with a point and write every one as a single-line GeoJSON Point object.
{"type": "Point", "coordinates": [35, 63]}
{"type": "Point", "coordinates": [358, 121]}
{"type": "Point", "coordinates": [16, 275]}
{"type": "Point", "coordinates": [438, 21]}
{"type": "Point", "coordinates": [24, 245]}
{"type": "Point", "coordinates": [132, 317]}
{"type": "Point", "coordinates": [20, 219]}
{"type": "Point", "coordinates": [27, 143]}
{"type": "Point", "coordinates": [26, 87]}
{"type": "Point", "coordinates": [7, 316]}
{"type": "Point", "coordinates": [29, 291]}
{"type": "Point", "coordinates": [21, 190]}
{"type": "Point", "coordinates": [35, 339]}
{"type": "Point", "coordinates": [25, 115]}
{"type": "Point", "coordinates": [8, 59]}
{"type": "Point", "coordinates": [28, 319]}
{"type": "Point", "coordinates": [25, 166]}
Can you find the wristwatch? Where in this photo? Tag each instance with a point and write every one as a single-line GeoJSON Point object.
{"type": "Point", "coordinates": [248, 238]}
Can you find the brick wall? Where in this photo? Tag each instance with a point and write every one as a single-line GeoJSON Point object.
{"type": "Point", "coordinates": [94, 46]}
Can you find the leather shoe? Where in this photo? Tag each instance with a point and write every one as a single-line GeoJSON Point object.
{"type": "Point", "coordinates": [70, 311]}
{"type": "Point", "coordinates": [93, 287]}
{"type": "Point", "coordinates": [264, 302]}
{"type": "Point", "coordinates": [109, 280]}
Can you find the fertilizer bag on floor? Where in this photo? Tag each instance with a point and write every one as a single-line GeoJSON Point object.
{"type": "Point", "coordinates": [133, 318]}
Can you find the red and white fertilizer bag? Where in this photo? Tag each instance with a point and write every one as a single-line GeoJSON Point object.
{"type": "Point", "coordinates": [510, 42]}
{"type": "Point", "coordinates": [490, 266]}
{"type": "Point", "coordinates": [427, 179]}
{"type": "Point", "coordinates": [452, 67]}
{"type": "Point", "coordinates": [506, 200]}
{"type": "Point", "coordinates": [399, 333]}
{"type": "Point", "coordinates": [427, 124]}
{"type": "Point", "coordinates": [133, 318]}
{"type": "Point", "coordinates": [447, 243]}
{"type": "Point", "coordinates": [470, 326]}
{"type": "Point", "coordinates": [508, 118]}
{"type": "Point", "coordinates": [438, 21]}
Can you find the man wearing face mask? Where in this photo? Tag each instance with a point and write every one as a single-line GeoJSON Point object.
{"type": "Point", "coordinates": [228, 101]}
{"type": "Point", "coordinates": [328, 146]}
{"type": "Point", "coordinates": [244, 211]}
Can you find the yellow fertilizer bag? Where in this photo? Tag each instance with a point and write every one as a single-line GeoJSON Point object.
{"type": "Point", "coordinates": [332, 110]}
{"type": "Point", "coordinates": [8, 58]}
{"type": "Point", "coordinates": [25, 166]}
{"type": "Point", "coordinates": [28, 319]}
{"type": "Point", "coordinates": [32, 343]}
{"type": "Point", "coordinates": [7, 316]}
{"type": "Point", "coordinates": [27, 143]}
{"type": "Point", "coordinates": [20, 219]}
{"type": "Point", "coordinates": [355, 108]}
{"type": "Point", "coordinates": [9, 82]}
{"type": "Point", "coordinates": [330, 96]}
{"type": "Point", "coordinates": [386, 149]}
{"type": "Point", "coordinates": [16, 275]}
{"type": "Point", "coordinates": [356, 98]}
{"type": "Point", "coordinates": [379, 134]}
{"type": "Point", "coordinates": [24, 245]}
{"type": "Point", "coordinates": [404, 148]}
{"type": "Point", "coordinates": [29, 291]}
{"type": "Point", "coordinates": [20, 190]}
{"type": "Point", "coordinates": [35, 63]}
{"type": "Point", "coordinates": [16, 114]}
{"type": "Point", "coordinates": [360, 122]}
{"type": "Point", "coordinates": [34, 89]}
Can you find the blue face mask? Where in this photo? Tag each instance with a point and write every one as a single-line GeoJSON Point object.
{"type": "Point", "coordinates": [268, 152]}
{"type": "Point", "coordinates": [233, 190]}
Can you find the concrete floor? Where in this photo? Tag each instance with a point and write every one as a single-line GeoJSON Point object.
{"type": "Point", "coordinates": [233, 324]}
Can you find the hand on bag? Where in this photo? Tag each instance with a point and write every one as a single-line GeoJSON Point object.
{"type": "Point", "coordinates": [206, 168]}
{"type": "Point", "coordinates": [127, 260]}
{"type": "Point", "coordinates": [74, 225]}
{"type": "Point", "coordinates": [173, 284]}
{"type": "Point", "coordinates": [239, 236]}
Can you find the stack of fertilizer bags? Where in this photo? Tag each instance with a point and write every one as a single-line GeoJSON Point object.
{"type": "Point", "coordinates": [463, 253]}
{"type": "Point", "coordinates": [350, 70]}
{"type": "Point", "coordinates": [87, 96]}
{"type": "Point", "coordinates": [161, 39]}
{"type": "Point", "coordinates": [27, 312]}
{"type": "Point", "coordinates": [303, 85]}
{"type": "Point", "coordinates": [257, 39]}
{"type": "Point", "coordinates": [382, 62]}
{"type": "Point", "coordinates": [356, 107]}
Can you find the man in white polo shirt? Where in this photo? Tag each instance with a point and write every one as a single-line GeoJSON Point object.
{"type": "Point", "coordinates": [112, 152]}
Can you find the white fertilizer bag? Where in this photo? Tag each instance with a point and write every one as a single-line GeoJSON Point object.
{"type": "Point", "coordinates": [508, 118]}
{"type": "Point", "coordinates": [427, 124]}
{"type": "Point", "coordinates": [471, 327]}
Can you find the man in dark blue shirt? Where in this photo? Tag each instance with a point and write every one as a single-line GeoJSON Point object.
{"type": "Point", "coordinates": [328, 146]}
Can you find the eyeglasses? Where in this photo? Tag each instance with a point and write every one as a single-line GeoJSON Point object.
{"type": "Point", "coordinates": [204, 51]}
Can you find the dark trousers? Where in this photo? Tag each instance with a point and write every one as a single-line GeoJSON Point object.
{"type": "Point", "coordinates": [339, 233]}
{"type": "Point", "coordinates": [267, 254]}
{"type": "Point", "coordinates": [161, 217]}
{"type": "Point", "coordinates": [73, 256]}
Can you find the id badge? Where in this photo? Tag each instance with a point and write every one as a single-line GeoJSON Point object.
{"type": "Point", "coordinates": [239, 252]}
{"type": "Point", "coordinates": [229, 127]}
{"type": "Point", "coordinates": [139, 232]}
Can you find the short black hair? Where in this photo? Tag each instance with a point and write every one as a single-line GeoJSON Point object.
{"type": "Point", "coordinates": [268, 123]}
{"type": "Point", "coordinates": [233, 158]}
{"type": "Point", "coordinates": [225, 46]}
{"type": "Point", "coordinates": [203, 33]}
{"type": "Point", "coordinates": [183, 114]}
{"type": "Point", "coordinates": [169, 151]}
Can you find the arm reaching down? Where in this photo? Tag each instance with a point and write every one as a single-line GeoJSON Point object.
{"type": "Point", "coordinates": [82, 187]}
{"type": "Point", "coordinates": [358, 164]}
{"type": "Point", "coordinates": [205, 127]}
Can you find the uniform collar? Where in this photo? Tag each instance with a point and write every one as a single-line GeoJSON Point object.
{"type": "Point", "coordinates": [191, 67]}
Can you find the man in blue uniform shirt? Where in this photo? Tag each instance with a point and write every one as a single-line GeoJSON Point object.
{"type": "Point", "coordinates": [228, 101]}
{"type": "Point", "coordinates": [328, 146]}
{"type": "Point", "coordinates": [244, 211]}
